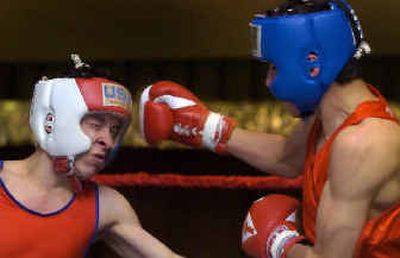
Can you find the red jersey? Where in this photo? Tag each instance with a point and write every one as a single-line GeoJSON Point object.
{"type": "Point", "coordinates": [65, 233]}
{"type": "Point", "coordinates": [380, 236]}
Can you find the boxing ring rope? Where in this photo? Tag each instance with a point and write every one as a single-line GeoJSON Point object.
{"type": "Point", "coordinates": [143, 179]}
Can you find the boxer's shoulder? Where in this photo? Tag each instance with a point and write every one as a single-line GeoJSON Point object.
{"type": "Point", "coordinates": [365, 156]}
{"type": "Point", "coordinates": [114, 208]}
{"type": "Point", "coordinates": [371, 135]}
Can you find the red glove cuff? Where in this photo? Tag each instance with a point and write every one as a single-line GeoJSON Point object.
{"type": "Point", "coordinates": [281, 240]}
{"type": "Point", "coordinates": [228, 125]}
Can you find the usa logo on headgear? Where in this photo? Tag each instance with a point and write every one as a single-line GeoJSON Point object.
{"type": "Point", "coordinates": [116, 95]}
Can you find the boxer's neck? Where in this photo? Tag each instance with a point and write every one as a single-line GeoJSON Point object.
{"type": "Point", "coordinates": [38, 168]}
{"type": "Point", "coordinates": [339, 102]}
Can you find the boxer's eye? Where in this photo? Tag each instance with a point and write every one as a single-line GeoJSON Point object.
{"type": "Point", "coordinates": [312, 57]}
{"type": "Point", "coordinates": [95, 125]}
{"type": "Point", "coordinates": [114, 131]}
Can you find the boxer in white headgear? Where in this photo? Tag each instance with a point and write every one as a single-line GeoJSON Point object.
{"type": "Point", "coordinates": [58, 106]}
{"type": "Point", "coordinates": [77, 121]}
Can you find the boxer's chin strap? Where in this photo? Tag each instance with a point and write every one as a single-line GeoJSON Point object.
{"type": "Point", "coordinates": [64, 165]}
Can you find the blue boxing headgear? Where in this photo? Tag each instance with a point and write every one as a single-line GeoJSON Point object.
{"type": "Point", "coordinates": [332, 36]}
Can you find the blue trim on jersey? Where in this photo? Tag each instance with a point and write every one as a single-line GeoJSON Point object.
{"type": "Point", "coordinates": [1, 164]}
{"type": "Point", "coordinates": [96, 229]}
{"type": "Point", "coordinates": [22, 206]}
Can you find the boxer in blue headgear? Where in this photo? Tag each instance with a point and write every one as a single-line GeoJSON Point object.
{"type": "Point", "coordinates": [346, 150]}
{"type": "Point", "coordinates": [346, 147]}
{"type": "Point", "coordinates": [308, 50]}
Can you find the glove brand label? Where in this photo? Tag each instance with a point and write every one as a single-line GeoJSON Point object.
{"type": "Point", "coordinates": [115, 95]}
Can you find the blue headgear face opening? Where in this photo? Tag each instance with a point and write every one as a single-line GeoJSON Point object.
{"type": "Point", "coordinates": [288, 41]}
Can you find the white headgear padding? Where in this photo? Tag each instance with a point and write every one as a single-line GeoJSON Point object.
{"type": "Point", "coordinates": [58, 106]}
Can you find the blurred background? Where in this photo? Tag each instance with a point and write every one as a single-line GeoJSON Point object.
{"type": "Point", "coordinates": [203, 44]}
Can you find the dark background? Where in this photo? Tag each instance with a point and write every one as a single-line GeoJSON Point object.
{"type": "Point", "coordinates": [229, 79]}
{"type": "Point", "coordinates": [175, 29]}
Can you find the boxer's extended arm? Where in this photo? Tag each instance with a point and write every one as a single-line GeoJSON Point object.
{"type": "Point", "coordinates": [362, 160]}
{"type": "Point", "coordinates": [169, 111]}
{"type": "Point", "coordinates": [272, 153]}
{"type": "Point", "coordinates": [122, 231]}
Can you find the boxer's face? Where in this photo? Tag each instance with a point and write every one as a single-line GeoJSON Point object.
{"type": "Point", "coordinates": [103, 129]}
{"type": "Point", "coordinates": [271, 74]}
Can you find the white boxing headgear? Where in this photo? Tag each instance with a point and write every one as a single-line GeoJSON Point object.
{"type": "Point", "coordinates": [58, 106]}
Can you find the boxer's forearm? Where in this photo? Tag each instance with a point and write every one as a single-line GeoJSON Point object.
{"type": "Point", "coordinates": [263, 151]}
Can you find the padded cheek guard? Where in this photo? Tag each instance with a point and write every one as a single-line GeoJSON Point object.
{"type": "Point", "coordinates": [56, 112]}
{"type": "Point", "coordinates": [287, 41]}
{"type": "Point", "coordinates": [58, 106]}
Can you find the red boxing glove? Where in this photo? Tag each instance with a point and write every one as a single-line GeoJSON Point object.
{"type": "Point", "coordinates": [169, 111]}
{"type": "Point", "coordinates": [269, 229]}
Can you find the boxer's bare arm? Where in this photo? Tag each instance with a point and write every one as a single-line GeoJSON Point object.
{"type": "Point", "coordinates": [272, 153]}
{"type": "Point", "coordinates": [122, 231]}
{"type": "Point", "coordinates": [362, 160]}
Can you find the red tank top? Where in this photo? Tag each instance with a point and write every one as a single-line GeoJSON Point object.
{"type": "Point", "coordinates": [66, 233]}
{"type": "Point", "coordinates": [380, 236]}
